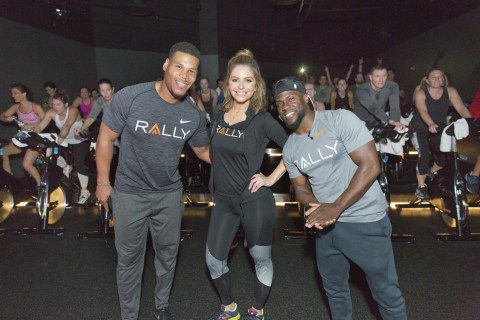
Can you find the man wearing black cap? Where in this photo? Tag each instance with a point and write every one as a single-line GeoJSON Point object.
{"type": "Point", "coordinates": [336, 152]}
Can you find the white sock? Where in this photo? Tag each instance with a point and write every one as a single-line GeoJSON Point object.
{"type": "Point", "coordinates": [61, 162]}
{"type": "Point", "coordinates": [83, 180]}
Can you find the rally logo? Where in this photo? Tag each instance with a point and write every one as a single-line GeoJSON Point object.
{"type": "Point", "coordinates": [318, 155]}
{"type": "Point", "coordinates": [235, 133]}
{"type": "Point", "coordinates": [174, 132]}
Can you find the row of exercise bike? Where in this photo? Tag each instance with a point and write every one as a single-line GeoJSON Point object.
{"type": "Point", "coordinates": [57, 192]}
{"type": "Point", "coordinates": [447, 190]}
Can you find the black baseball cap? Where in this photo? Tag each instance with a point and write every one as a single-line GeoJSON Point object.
{"type": "Point", "coordinates": [291, 84]}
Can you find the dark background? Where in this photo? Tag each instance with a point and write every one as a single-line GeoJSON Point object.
{"type": "Point", "coordinates": [98, 40]}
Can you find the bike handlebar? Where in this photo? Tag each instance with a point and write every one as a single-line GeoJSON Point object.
{"type": "Point", "coordinates": [387, 131]}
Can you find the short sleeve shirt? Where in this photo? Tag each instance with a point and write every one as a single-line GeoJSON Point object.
{"type": "Point", "coordinates": [154, 133]}
{"type": "Point", "coordinates": [323, 95]}
{"type": "Point", "coordinates": [98, 106]}
{"type": "Point", "coordinates": [323, 157]}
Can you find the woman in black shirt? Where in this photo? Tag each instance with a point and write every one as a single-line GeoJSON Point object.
{"type": "Point", "coordinates": [432, 100]}
{"type": "Point", "coordinates": [240, 132]}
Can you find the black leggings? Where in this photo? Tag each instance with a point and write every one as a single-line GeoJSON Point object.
{"type": "Point", "coordinates": [257, 218]}
{"type": "Point", "coordinates": [80, 151]}
{"type": "Point", "coordinates": [424, 143]}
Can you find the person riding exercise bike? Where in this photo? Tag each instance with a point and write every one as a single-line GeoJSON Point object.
{"type": "Point", "coordinates": [432, 102]}
{"type": "Point", "coordinates": [67, 119]}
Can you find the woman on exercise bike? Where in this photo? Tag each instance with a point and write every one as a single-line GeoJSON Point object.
{"type": "Point", "coordinates": [66, 119]}
{"type": "Point", "coordinates": [432, 101]}
{"type": "Point", "coordinates": [240, 131]}
{"type": "Point", "coordinates": [84, 102]}
{"type": "Point", "coordinates": [28, 112]}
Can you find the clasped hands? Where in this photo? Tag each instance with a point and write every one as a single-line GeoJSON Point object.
{"type": "Point", "coordinates": [321, 215]}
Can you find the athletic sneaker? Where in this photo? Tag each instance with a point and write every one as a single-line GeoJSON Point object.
{"type": "Point", "coordinates": [67, 171]}
{"type": "Point", "coordinates": [253, 315]}
{"type": "Point", "coordinates": [163, 314]}
{"type": "Point", "coordinates": [222, 314]}
{"type": "Point", "coordinates": [84, 195]}
{"type": "Point", "coordinates": [422, 193]}
{"type": "Point", "coordinates": [472, 182]}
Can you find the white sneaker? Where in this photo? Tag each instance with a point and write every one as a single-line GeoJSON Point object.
{"type": "Point", "coordinates": [67, 171]}
{"type": "Point", "coordinates": [84, 195]}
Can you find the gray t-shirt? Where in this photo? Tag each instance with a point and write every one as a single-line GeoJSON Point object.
{"type": "Point", "coordinates": [323, 95]}
{"type": "Point", "coordinates": [323, 157]}
{"type": "Point", "coordinates": [99, 106]}
{"type": "Point", "coordinates": [370, 104]}
{"type": "Point", "coordinates": [154, 133]}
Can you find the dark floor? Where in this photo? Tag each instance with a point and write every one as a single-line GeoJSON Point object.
{"type": "Point", "coordinates": [62, 277]}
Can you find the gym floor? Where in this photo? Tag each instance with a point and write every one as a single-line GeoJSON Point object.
{"type": "Point", "coordinates": [62, 277]}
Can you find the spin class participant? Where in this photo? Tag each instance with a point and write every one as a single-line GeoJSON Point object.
{"type": "Point", "coordinates": [240, 132]}
{"type": "Point", "coordinates": [341, 98]}
{"type": "Point", "coordinates": [84, 101]}
{"type": "Point", "coordinates": [107, 93]}
{"type": "Point", "coordinates": [333, 166]}
{"type": "Point", "coordinates": [371, 98]}
{"type": "Point", "coordinates": [51, 90]}
{"type": "Point", "coordinates": [66, 119]}
{"type": "Point", "coordinates": [432, 101]}
{"type": "Point", "coordinates": [472, 177]}
{"type": "Point", "coordinates": [311, 93]}
{"type": "Point", "coordinates": [27, 111]}
{"type": "Point", "coordinates": [155, 120]}
{"type": "Point", "coordinates": [208, 95]}
{"type": "Point", "coordinates": [95, 94]}
{"type": "Point", "coordinates": [198, 101]}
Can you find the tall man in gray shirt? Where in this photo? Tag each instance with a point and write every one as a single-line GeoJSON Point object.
{"type": "Point", "coordinates": [155, 120]}
{"type": "Point", "coordinates": [371, 98]}
{"type": "Point", "coordinates": [333, 153]}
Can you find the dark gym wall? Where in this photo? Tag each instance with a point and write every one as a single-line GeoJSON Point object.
{"type": "Point", "coordinates": [128, 67]}
{"type": "Point", "coordinates": [453, 44]}
{"type": "Point", "coordinates": [32, 57]}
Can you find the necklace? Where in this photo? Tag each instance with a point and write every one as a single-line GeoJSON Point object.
{"type": "Point", "coordinates": [236, 113]}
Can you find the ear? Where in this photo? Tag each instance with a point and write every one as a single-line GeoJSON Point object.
{"type": "Point", "coordinates": [165, 65]}
{"type": "Point", "coordinates": [305, 98]}
{"type": "Point", "coordinates": [113, 89]}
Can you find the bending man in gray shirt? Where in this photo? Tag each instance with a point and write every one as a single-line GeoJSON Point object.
{"type": "Point", "coordinates": [333, 153]}
{"type": "Point", "coordinates": [371, 98]}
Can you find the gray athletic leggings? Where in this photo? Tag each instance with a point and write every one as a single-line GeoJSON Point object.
{"type": "Point", "coordinates": [257, 219]}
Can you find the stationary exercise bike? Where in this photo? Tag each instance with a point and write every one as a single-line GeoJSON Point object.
{"type": "Point", "coordinates": [454, 205]}
{"type": "Point", "coordinates": [14, 191]}
{"type": "Point", "coordinates": [6, 199]}
{"type": "Point", "coordinates": [104, 217]}
{"type": "Point", "coordinates": [382, 134]}
{"type": "Point", "coordinates": [50, 205]}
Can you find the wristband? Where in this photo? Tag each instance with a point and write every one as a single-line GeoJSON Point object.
{"type": "Point", "coordinates": [61, 136]}
{"type": "Point", "coordinates": [103, 185]}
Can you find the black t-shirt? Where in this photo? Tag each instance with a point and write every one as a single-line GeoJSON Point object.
{"type": "Point", "coordinates": [231, 168]}
{"type": "Point", "coordinates": [153, 135]}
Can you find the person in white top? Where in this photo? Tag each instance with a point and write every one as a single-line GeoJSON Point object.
{"type": "Point", "coordinates": [66, 119]}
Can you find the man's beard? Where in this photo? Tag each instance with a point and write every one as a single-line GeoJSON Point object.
{"type": "Point", "coordinates": [176, 96]}
{"type": "Point", "coordinates": [294, 126]}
